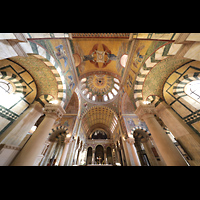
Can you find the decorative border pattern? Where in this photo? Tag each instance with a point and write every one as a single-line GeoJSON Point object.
{"type": "Point", "coordinates": [178, 89]}
{"type": "Point", "coordinates": [63, 128]}
{"type": "Point", "coordinates": [16, 80]}
{"type": "Point", "coordinates": [154, 100]}
{"type": "Point", "coordinates": [101, 35]}
{"type": "Point", "coordinates": [157, 56]}
{"type": "Point", "coordinates": [141, 128]}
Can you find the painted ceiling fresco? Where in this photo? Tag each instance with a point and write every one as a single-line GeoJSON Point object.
{"type": "Point", "coordinates": [99, 54]}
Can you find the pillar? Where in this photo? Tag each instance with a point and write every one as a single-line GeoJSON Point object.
{"type": "Point", "coordinates": [122, 153]}
{"type": "Point", "coordinates": [166, 147]}
{"type": "Point", "coordinates": [64, 153]}
{"type": "Point", "coordinates": [136, 159]}
{"type": "Point", "coordinates": [93, 156]}
{"type": "Point", "coordinates": [18, 130]}
{"type": "Point", "coordinates": [188, 139]}
{"type": "Point", "coordinates": [118, 155]}
{"type": "Point", "coordinates": [35, 144]}
{"type": "Point", "coordinates": [105, 156]}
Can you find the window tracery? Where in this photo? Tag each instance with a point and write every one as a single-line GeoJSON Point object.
{"type": "Point", "coordinates": [192, 89]}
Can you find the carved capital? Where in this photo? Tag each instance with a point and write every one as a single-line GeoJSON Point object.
{"type": "Point", "coordinates": [144, 110]}
{"type": "Point", "coordinates": [162, 106]}
{"type": "Point", "coordinates": [130, 140]}
{"type": "Point", "coordinates": [37, 106]}
{"type": "Point", "coordinates": [54, 111]}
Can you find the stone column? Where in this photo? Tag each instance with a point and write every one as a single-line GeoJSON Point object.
{"type": "Point", "coordinates": [69, 152]}
{"type": "Point", "coordinates": [18, 130]}
{"type": "Point", "coordinates": [181, 131]}
{"type": "Point", "coordinates": [122, 154]}
{"type": "Point", "coordinates": [118, 155]}
{"type": "Point", "coordinates": [166, 147]}
{"type": "Point", "coordinates": [93, 156]}
{"type": "Point", "coordinates": [64, 153]}
{"type": "Point", "coordinates": [35, 144]}
{"type": "Point", "coordinates": [105, 156]}
{"type": "Point", "coordinates": [136, 159]}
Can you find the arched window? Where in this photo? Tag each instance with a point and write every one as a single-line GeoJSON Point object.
{"type": "Point", "coordinates": [5, 87]}
{"type": "Point", "coordinates": [192, 89]}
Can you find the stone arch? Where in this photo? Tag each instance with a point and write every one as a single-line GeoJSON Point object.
{"type": "Point", "coordinates": [58, 76]}
{"type": "Point", "coordinates": [15, 80]}
{"type": "Point", "coordinates": [140, 134]}
{"type": "Point", "coordinates": [155, 57]}
{"type": "Point", "coordinates": [59, 130]}
{"type": "Point", "coordinates": [141, 128]}
{"type": "Point", "coordinates": [178, 89]}
{"type": "Point", "coordinates": [154, 100]}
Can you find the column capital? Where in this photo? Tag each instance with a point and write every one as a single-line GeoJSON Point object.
{"type": "Point", "coordinates": [67, 140]}
{"type": "Point", "coordinates": [162, 106]}
{"type": "Point", "coordinates": [37, 106]}
{"type": "Point", "coordinates": [130, 140]}
{"type": "Point", "coordinates": [144, 110]}
{"type": "Point", "coordinates": [53, 110]}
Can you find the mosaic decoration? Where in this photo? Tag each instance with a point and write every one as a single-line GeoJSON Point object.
{"type": "Point", "coordinates": [147, 54]}
{"type": "Point", "coordinates": [165, 68]}
{"type": "Point", "coordinates": [99, 87]}
{"type": "Point", "coordinates": [174, 95]}
{"type": "Point", "coordinates": [93, 55]}
{"type": "Point", "coordinates": [100, 35]}
{"type": "Point", "coordinates": [56, 52]}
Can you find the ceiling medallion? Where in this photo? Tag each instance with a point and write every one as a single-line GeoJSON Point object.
{"type": "Point", "coordinates": [100, 80]}
{"type": "Point", "coordinates": [100, 58]}
{"type": "Point", "coordinates": [99, 88]}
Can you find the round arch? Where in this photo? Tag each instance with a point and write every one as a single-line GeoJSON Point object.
{"type": "Point", "coordinates": [99, 117]}
{"type": "Point", "coordinates": [59, 130]}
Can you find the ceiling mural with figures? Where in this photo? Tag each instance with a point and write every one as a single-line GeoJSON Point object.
{"type": "Point", "coordinates": [105, 70]}
{"type": "Point", "coordinates": [90, 89]}
{"type": "Point", "coordinates": [99, 54]}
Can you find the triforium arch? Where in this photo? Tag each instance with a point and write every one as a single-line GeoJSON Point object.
{"type": "Point", "coordinates": [137, 134]}
{"type": "Point", "coordinates": [59, 130]}
{"type": "Point", "coordinates": [98, 133]}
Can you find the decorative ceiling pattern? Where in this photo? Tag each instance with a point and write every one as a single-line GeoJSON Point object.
{"type": "Point", "coordinates": [100, 115]}
{"type": "Point", "coordinates": [165, 68]}
{"type": "Point", "coordinates": [100, 35]}
{"type": "Point", "coordinates": [99, 54]}
{"type": "Point", "coordinates": [44, 78]}
{"type": "Point", "coordinates": [57, 51]}
{"type": "Point", "coordinates": [99, 87]}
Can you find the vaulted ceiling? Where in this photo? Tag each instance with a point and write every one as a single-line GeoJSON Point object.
{"type": "Point", "coordinates": [111, 72]}
{"type": "Point", "coordinates": [99, 117]}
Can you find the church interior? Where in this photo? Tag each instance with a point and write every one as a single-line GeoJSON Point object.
{"type": "Point", "coordinates": [99, 99]}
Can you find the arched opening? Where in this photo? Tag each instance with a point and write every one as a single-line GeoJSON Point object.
{"type": "Point", "coordinates": [99, 154]}
{"type": "Point", "coordinates": [89, 156]}
{"type": "Point", "coordinates": [99, 134]}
